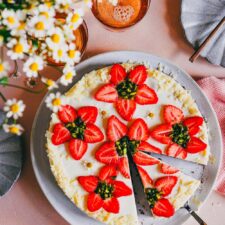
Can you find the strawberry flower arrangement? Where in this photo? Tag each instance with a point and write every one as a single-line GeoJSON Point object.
{"type": "Point", "coordinates": [179, 133]}
{"type": "Point", "coordinates": [35, 31]}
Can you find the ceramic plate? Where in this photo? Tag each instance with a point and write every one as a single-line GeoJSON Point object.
{"type": "Point", "coordinates": [207, 174]}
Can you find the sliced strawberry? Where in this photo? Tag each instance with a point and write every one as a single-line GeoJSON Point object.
{"type": "Point", "coordinates": [121, 189]}
{"type": "Point", "coordinates": [93, 134]}
{"type": "Point", "coordinates": [163, 208]}
{"type": "Point", "coordinates": [94, 202]}
{"type": "Point", "coordinates": [145, 178]}
{"type": "Point", "coordinates": [138, 130]}
{"type": "Point", "coordinates": [144, 159]}
{"type": "Point", "coordinates": [174, 150]}
{"type": "Point", "coordinates": [126, 108]}
{"type": "Point", "coordinates": [88, 183]}
{"type": "Point", "coordinates": [172, 114]}
{"type": "Point", "coordinates": [146, 95]}
{"type": "Point", "coordinates": [88, 114]}
{"type": "Point", "coordinates": [77, 148]}
{"type": "Point", "coordinates": [193, 124]}
{"type": "Point", "coordinates": [106, 93]}
{"type": "Point", "coordinates": [123, 167]}
{"type": "Point", "coordinates": [111, 205]}
{"type": "Point", "coordinates": [161, 133]}
{"type": "Point", "coordinates": [67, 114]}
{"type": "Point", "coordinates": [117, 74]}
{"type": "Point", "coordinates": [115, 129]}
{"type": "Point", "coordinates": [108, 171]}
{"type": "Point", "coordinates": [146, 147]}
{"type": "Point", "coordinates": [195, 145]}
{"type": "Point", "coordinates": [60, 134]}
{"type": "Point", "coordinates": [166, 184]}
{"type": "Point", "coordinates": [167, 169]}
{"type": "Point", "coordinates": [138, 75]}
{"type": "Point", "coordinates": [107, 153]}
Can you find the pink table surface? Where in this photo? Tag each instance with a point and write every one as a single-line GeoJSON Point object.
{"type": "Point", "coordinates": [159, 33]}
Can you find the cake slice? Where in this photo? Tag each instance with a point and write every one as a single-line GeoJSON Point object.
{"type": "Point", "coordinates": [167, 189]}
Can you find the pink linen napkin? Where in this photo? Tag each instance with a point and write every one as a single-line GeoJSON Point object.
{"type": "Point", "coordinates": [214, 88]}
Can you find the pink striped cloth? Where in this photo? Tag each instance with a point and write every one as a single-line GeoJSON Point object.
{"type": "Point", "coordinates": [214, 88]}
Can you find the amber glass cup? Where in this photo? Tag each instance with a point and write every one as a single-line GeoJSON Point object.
{"type": "Point", "coordinates": [124, 14]}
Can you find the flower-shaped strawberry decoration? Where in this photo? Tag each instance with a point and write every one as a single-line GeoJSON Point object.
{"type": "Point", "coordinates": [157, 191]}
{"type": "Point", "coordinates": [103, 190]}
{"type": "Point", "coordinates": [123, 141]}
{"type": "Point", "coordinates": [77, 128]}
{"type": "Point", "coordinates": [127, 90]}
{"type": "Point", "coordinates": [179, 133]}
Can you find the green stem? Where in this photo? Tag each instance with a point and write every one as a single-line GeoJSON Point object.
{"type": "Point", "coordinates": [23, 88]}
{"type": "Point", "coordinates": [3, 97]}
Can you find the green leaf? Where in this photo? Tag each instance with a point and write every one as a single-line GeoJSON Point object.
{"type": "Point", "coordinates": [4, 81]}
{"type": "Point", "coordinates": [5, 34]}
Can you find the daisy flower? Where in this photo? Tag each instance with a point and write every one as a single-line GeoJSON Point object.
{"type": "Point", "coordinates": [68, 33]}
{"type": "Point", "coordinates": [13, 129]}
{"type": "Point", "coordinates": [17, 48]}
{"type": "Point", "coordinates": [63, 6]}
{"type": "Point", "coordinates": [19, 30]}
{"type": "Point", "coordinates": [33, 65]}
{"type": "Point", "coordinates": [4, 68]}
{"type": "Point", "coordinates": [38, 26]}
{"type": "Point", "coordinates": [51, 84]}
{"type": "Point", "coordinates": [60, 53]}
{"type": "Point", "coordinates": [73, 55]}
{"type": "Point", "coordinates": [74, 19]}
{"type": "Point", "coordinates": [44, 10]}
{"type": "Point", "coordinates": [55, 37]}
{"type": "Point", "coordinates": [68, 74]}
{"type": "Point", "coordinates": [14, 108]}
{"type": "Point", "coordinates": [9, 18]}
{"type": "Point", "coordinates": [54, 101]}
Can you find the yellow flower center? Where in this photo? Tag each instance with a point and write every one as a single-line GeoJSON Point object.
{"type": "Point", "coordinates": [18, 48]}
{"type": "Point", "coordinates": [56, 102]}
{"type": "Point", "coordinates": [71, 53]}
{"type": "Point", "coordinates": [21, 26]}
{"type": "Point", "coordinates": [2, 67]}
{"type": "Point", "coordinates": [44, 14]}
{"type": "Point", "coordinates": [14, 108]}
{"type": "Point", "coordinates": [75, 18]}
{"type": "Point", "coordinates": [49, 4]}
{"type": "Point", "coordinates": [11, 20]}
{"type": "Point", "coordinates": [14, 130]}
{"type": "Point", "coordinates": [68, 76]}
{"type": "Point", "coordinates": [40, 26]}
{"type": "Point", "coordinates": [34, 67]}
{"type": "Point", "coordinates": [65, 7]}
{"type": "Point", "coordinates": [49, 82]}
{"type": "Point", "coordinates": [55, 38]}
{"type": "Point", "coordinates": [60, 52]}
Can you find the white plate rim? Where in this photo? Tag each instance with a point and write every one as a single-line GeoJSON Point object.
{"type": "Point", "coordinates": [114, 57]}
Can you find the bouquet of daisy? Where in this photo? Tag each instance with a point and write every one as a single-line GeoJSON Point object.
{"type": "Point", "coordinates": [37, 32]}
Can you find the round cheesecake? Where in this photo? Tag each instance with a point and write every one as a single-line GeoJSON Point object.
{"type": "Point", "coordinates": [116, 115]}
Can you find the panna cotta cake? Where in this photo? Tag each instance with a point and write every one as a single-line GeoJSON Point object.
{"type": "Point", "coordinates": [120, 113]}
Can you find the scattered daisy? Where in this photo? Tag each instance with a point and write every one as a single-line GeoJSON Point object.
{"type": "Point", "coordinates": [38, 26]}
{"type": "Point", "coordinates": [9, 18]}
{"type": "Point", "coordinates": [74, 19]}
{"type": "Point", "coordinates": [33, 65]}
{"type": "Point", "coordinates": [73, 55]}
{"type": "Point", "coordinates": [14, 108]}
{"type": "Point", "coordinates": [17, 48]}
{"type": "Point", "coordinates": [59, 54]}
{"type": "Point", "coordinates": [68, 74]}
{"type": "Point", "coordinates": [19, 30]}
{"type": "Point", "coordinates": [54, 101]}
{"type": "Point", "coordinates": [51, 84]}
{"type": "Point", "coordinates": [45, 11]}
{"type": "Point", "coordinates": [4, 68]}
{"type": "Point", "coordinates": [13, 129]}
{"type": "Point", "coordinates": [88, 165]}
{"type": "Point", "coordinates": [68, 33]}
{"type": "Point", "coordinates": [55, 38]}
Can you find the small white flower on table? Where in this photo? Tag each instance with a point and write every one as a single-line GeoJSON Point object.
{"type": "Point", "coordinates": [74, 19]}
{"type": "Point", "coordinates": [33, 65]}
{"type": "Point", "coordinates": [55, 38]}
{"type": "Point", "coordinates": [54, 101]}
{"type": "Point", "coordinates": [68, 74]}
{"type": "Point", "coordinates": [73, 55]}
{"type": "Point", "coordinates": [4, 68]}
{"type": "Point", "coordinates": [51, 84]}
{"type": "Point", "coordinates": [14, 108]}
{"type": "Point", "coordinates": [13, 129]}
